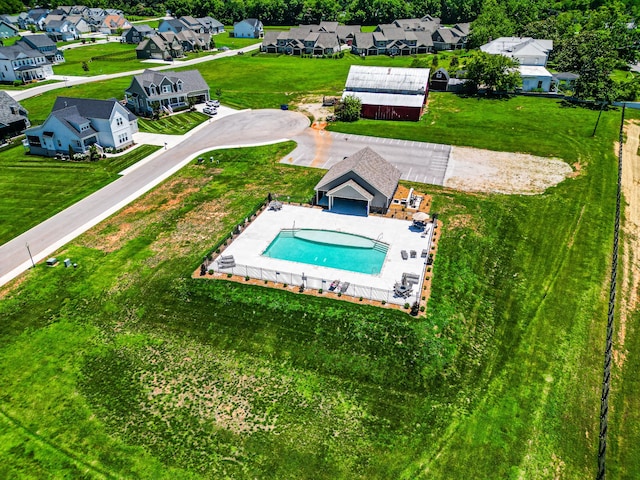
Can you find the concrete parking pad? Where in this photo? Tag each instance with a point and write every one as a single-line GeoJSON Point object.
{"type": "Point", "coordinates": [418, 161]}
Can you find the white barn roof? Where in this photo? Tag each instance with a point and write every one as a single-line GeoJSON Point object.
{"type": "Point", "coordinates": [387, 79]}
{"type": "Point", "coordinates": [388, 99]}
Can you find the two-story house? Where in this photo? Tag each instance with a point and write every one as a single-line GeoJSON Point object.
{"type": "Point", "coordinates": [153, 91]}
{"type": "Point", "coordinates": [21, 63]}
{"type": "Point", "coordinates": [44, 45]}
{"type": "Point", "coordinates": [78, 123]}
{"type": "Point", "coordinates": [137, 33]}
{"type": "Point", "coordinates": [248, 28]}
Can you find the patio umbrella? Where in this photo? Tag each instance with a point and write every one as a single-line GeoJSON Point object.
{"type": "Point", "coordinates": [420, 216]}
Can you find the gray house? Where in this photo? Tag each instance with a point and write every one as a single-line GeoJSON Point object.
{"type": "Point", "coordinates": [137, 33]}
{"type": "Point", "coordinates": [13, 117]}
{"type": "Point", "coordinates": [363, 182]}
{"type": "Point", "coordinates": [167, 91]}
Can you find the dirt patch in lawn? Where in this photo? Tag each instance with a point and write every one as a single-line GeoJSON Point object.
{"type": "Point", "coordinates": [126, 225]}
{"type": "Point", "coordinates": [312, 107]}
{"type": "Point", "coordinates": [476, 170]}
{"type": "Point", "coordinates": [629, 272]}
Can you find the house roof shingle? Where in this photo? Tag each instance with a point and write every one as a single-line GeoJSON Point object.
{"type": "Point", "coordinates": [10, 110]}
{"type": "Point", "coordinates": [368, 165]}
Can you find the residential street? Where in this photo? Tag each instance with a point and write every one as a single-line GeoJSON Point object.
{"type": "Point", "coordinates": [241, 129]}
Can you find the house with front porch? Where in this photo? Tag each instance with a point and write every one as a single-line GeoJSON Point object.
{"type": "Point", "coordinates": [78, 123]}
{"type": "Point", "coordinates": [21, 63]}
{"type": "Point", "coordinates": [152, 91]}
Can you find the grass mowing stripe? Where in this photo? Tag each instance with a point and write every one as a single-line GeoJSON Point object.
{"type": "Point", "coordinates": [70, 456]}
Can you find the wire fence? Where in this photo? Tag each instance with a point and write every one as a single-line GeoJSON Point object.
{"type": "Point", "coordinates": [318, 283]}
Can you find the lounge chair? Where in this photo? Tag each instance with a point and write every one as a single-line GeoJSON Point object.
{"type": "Point", "coordinates": [413, 254]}
{"type": "Point", "coordinates": [344, 287]}
{"type": "Point", "coordinates": [410, 278]}
{"type": "Point", "coordinates": [334, 285]}
{"type": "Point", "coordinates": [404, 254]}
{"type": "Point", "coordinates": [424, 253]}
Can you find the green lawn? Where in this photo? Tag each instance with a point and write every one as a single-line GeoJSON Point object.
{"type": "Point", "coordinates": [104, 58]}
{"type": "Point", "coordinates": [226, 40]}
{"type": "Point", "coordinates": [173, 125]}
{"type": "Point", "coordinates": [34, 188]}
{"type": "Point", "coordinates": [299, 76]}
{"type": "Point", "coordinates": [127, 367]}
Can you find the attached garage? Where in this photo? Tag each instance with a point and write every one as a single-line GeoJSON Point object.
{"type": "Point", "coordinates": [362, 183]}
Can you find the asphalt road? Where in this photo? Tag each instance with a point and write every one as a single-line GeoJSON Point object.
{"type": "Point", "coordinates": [242, 129]}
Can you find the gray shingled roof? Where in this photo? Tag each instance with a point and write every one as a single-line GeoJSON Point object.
{"type": "Point", "coordinates": [38, 41]}
{"type": "Point", "coordinates": [270, 37]}
{"type": "Point", "coordinates": [87, 107]}
{"type": "Point", "coordinates": [192, 79]}
{"type": "Point", "coordinates": [10, 110]}
{"type": "Point", "coordinates": [369, 166]}
{"type": "Point", "coordinates": [363, 40]}
{"type": "Point", "coordinates": [70, 116]}
{"type": "Point", "coordinates": [14, 51]}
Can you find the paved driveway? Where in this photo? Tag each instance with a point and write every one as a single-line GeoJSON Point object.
{"type": "Point", "coordinates": [418, 161]}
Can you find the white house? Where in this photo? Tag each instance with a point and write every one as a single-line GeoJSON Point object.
{"type": "Point", "coordinates": [62, 30]}
{"type": "Point", "coordinates": [21, 63]}
{"type": "Point", "coordinates": [535, 78]}
{"type": "Point", "coordinates": [248, 28]}
{"type": "Point", "coordinates": [78, 123]}
{"type": "Point", "coordinates": [526, 50]}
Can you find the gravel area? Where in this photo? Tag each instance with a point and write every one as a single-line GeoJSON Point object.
{"type": "Point", "coordinates": [476, 170]}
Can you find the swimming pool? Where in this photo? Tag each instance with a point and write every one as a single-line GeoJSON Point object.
{"type": "Point", "coordinates": [327, 248]}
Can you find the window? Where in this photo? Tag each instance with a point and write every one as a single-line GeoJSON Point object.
{"type": "Point", "coordinates": [166, 89]}
{"type": "Point", "coordinates": [539, 83]}
{"type": "Point", "coordinates": [119, 121]}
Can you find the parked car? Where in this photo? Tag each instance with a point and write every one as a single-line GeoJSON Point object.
{"type": "Point", "coordinates": [210, 111]}
{"type": "Point", "coordinates": [212, 103]}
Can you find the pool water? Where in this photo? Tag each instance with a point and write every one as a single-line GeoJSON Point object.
{"type": "Point", "coordinates": [326, 248]}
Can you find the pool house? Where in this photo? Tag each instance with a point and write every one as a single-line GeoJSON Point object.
{"type": "Point", "coordinates": [361, 183]}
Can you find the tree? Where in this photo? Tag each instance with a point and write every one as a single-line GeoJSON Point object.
{"type": "Point", "coordinates": [589, 54]}
{"type": "Point", "coordinates": [492, 23]}
{"type": "Point", "coordinates": [349, 109]}
{"type": "Point", "coordinates": [85, 66]}
{"type": "Point", "coordinates": [496, 73]}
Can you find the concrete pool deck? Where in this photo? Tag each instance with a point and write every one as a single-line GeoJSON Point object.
{"type": "Point", "coordinates": [247, 251]}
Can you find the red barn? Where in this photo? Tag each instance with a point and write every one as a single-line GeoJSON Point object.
{"type": "Point", "coordinates": [389, 93]}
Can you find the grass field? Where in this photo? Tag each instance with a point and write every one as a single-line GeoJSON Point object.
{"type": "Point", "coordinates": [34, 188]}
{"type": "Point", "coordinates": [226, 40]}
{"type": "Point", "coordinates": [102, 59]}
{"type": "Point", "coordinates": [127, 367]}
{"type": "Point", "coordinates": [173, 125]}
{"type": "Point", "coordinates": [274, 72]}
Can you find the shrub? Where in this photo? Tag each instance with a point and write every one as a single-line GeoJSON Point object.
{"type": "Point", "coordinates": [285, 285]}
{"type": "Point", "coordinates": [360, 298]}
{"type": "Point", "coordinates": [265, 282]}
{"type": "Point", "coordinates": [384, 302]}
{"type": "Point", "coordinates": [319, 290]}
{"type": "Point", "coordinates": [406, 306]}
{"type": "Point", "coordinates": [339, 294]}
{"type": "Point", "coordinates": [246, 278]}
{"type": "Point", "coordinates": [422, 309]}
{"type": "Point", "coordinates": [211, 271]}
{"type": "Point", "coordinates": [229, 275]}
